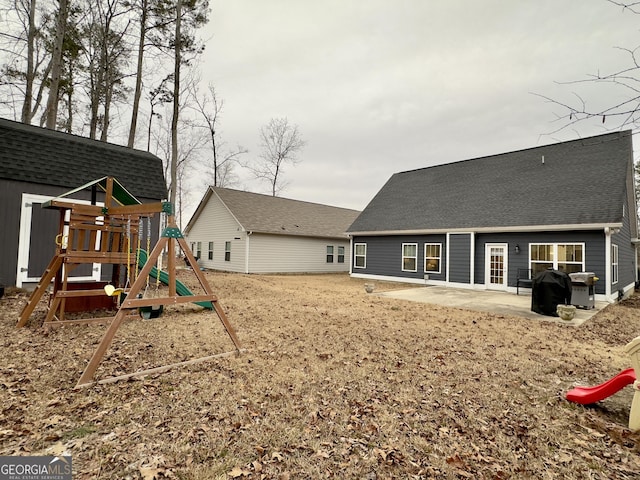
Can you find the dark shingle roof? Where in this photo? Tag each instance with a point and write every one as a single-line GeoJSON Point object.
{"type": "Point", "coordinates": [268, 214]}
{"type": "Point", "coordinates": [39, 155]}
{"type": "Point", "coordinates": [580, 182]}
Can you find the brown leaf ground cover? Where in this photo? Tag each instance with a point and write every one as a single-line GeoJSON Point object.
{"type": "Point", "coordinates": [334, 383]}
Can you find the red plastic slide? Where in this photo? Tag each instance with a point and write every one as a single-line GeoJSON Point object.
{"type": "Point", "coordinates": [587, 395]}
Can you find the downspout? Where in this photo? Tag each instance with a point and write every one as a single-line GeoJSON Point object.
{"type": "Point", "coordinates": [607, 263]}
{"type": "Point", "coordinates": [448, 247]}
{"type": "Point", "coordinates": [246, 254]}
{"type": "Point", "coordinates": [472, 267]}
{"type": "Point", "coordinates": [635, 242]}
{"type": "Point", "coordinates": [350, 254]}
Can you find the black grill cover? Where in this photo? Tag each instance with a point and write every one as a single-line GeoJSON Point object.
{"type": "Point", "coordinates": [550, 288]}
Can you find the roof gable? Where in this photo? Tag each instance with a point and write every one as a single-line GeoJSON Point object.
{"type": "Point", "coordinates": [260, 213]}
{"type": "Point", "coordinates": [39, 155]}
{"type": "Point", "coordinates": [570, 183]}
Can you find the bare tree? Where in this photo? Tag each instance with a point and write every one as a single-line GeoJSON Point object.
{"type": "Point", "coordinates": [193, 14]}
{"type": "Point", "coordinates": [155, 18]}
{"type": "Point", "coordinates": [223, 160]}
{"type": "Point", "coordinates": [626, 82]}
{"type": "Point", "coordinates": [191, 143]}
{"type": "Point", "coordinates": [31, 49]}
{"type": "Point", "coordinates": [51, 112]}
{"type": "Point", "coordinates": [24, 42]}
{"type": "Point", "coordinates": [107, 55]}
{"type": "Point", "coordinates": [138, 90]}
{"type": "Point", "coordinates": [176, 104]}
{"type": "Point", "coordinates": [281, 143]}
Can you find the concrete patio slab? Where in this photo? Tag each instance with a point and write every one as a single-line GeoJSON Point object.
{"type": "Point", "coordinates": [486, 301]}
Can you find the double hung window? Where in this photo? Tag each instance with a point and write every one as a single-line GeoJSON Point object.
{"type": "Point", "coordinates": [432, 257]}
{"type": "Point", "coordinates": [360, 255]}
{"type": "Point", "coordinates": [409, 257]}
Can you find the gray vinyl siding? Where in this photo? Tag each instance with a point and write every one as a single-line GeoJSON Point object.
{"type": "Point", "coordinates": [460, 258]}
{"type": "Point", "coordinates": [594, 251]}
{"type": "Point", "coordinates": [384, 256]}
{"type": "Point", "coordinates": [291, 254]}
{"type": "Point", "coordinates": [626, 256]}
{"type": "Point", "coordinates": [216, 224]}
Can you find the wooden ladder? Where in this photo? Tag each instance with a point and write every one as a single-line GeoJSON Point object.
{"type": "Point", "coordinates": [43, 284]}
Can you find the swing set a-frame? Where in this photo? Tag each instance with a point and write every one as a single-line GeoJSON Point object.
{"type": "Point", "coordinates": [108, 234]}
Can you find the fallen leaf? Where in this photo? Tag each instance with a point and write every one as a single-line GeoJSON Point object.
{"type": "Point", "coordinates": [150, 473]}
{"type": "Point", "coordinates": [238, 472]}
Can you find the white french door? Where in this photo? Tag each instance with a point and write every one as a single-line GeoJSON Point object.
{"type": "Point", "coordinates": [495, 270]}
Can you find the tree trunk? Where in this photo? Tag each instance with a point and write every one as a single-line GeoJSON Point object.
{"type": "Point", "coordinates": [176, 105]}
{"type": "Point", "coordinates": [138, 92]}
{"type": "Point", "coordinates": [56, 68]}
{"type": "Point", "coordinates": [108, 94]}
{"type": "Point", "coordinates": [30, 74]}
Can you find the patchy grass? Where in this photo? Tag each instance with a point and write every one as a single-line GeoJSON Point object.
{"type": "Point", "coordinates": [334, 383]}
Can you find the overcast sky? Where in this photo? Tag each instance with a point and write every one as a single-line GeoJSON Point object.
{"type": "Point", "coordinates": [382, 86]}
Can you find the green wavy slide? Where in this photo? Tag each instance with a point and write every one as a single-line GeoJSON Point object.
{"type": "Point", "coordinates": [181, 288]}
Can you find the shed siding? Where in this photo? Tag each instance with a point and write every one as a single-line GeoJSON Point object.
{"type": "Point", "coordinates": [217, 225]}
{"type": "Point", "coordinates": [460, 258]}
{"type": "Point", "coordinates": [289, 254]}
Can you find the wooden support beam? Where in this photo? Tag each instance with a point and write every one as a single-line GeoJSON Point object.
{"type": "Point", "coordinates": [51, 271]}
{"type": "Point", "coordinates": [86, 321]}
{"type": "Point", "coordinates": [153, 371]}
{"type": "Point", "coordinates": [80, 293]}
{"type": "Point", "coordinates": [142, 209]}
{"type": "Point", "coordinates": [151, 302]}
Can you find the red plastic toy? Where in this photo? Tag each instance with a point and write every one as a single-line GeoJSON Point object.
{"type": "Point", "coordinates": [587, 395]}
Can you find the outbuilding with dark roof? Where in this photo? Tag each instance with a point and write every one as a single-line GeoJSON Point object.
{"type": "Point", "coordinates": [481, 223]}
{"type": "Point", "coordinates": [246, 232]}
{"type": "Point", "coordinates": [37, 164]}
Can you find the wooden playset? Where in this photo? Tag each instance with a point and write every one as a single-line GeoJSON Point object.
{"type": "Point", "coordinates": [113, 234]}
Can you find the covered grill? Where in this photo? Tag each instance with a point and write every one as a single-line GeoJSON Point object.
{"type": "Point", "coordinates": [550, 288]}
{"type": "Point", "coordinates": [583, 289]}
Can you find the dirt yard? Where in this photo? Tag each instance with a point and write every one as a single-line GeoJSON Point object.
{"type": "Point", "coordinates": [334, 383]}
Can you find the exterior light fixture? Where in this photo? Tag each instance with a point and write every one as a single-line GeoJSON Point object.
{"type": "Point", "coordinates": [517, 248]}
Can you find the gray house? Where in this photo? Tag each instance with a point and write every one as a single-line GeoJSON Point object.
{"type": "Point", "coordinates": [37, 164]}
{"type": "Point", "coordinates": [249, 232]}
{"type": "Point", "coordinates": [480, 223]}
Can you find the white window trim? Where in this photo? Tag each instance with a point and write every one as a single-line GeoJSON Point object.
{"type": "Point", "coordinates": [439, 258]}
{"type": "Point", "coordinates": [355, 255]}
{"type": "Point", "coordinates": [404, 256]}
